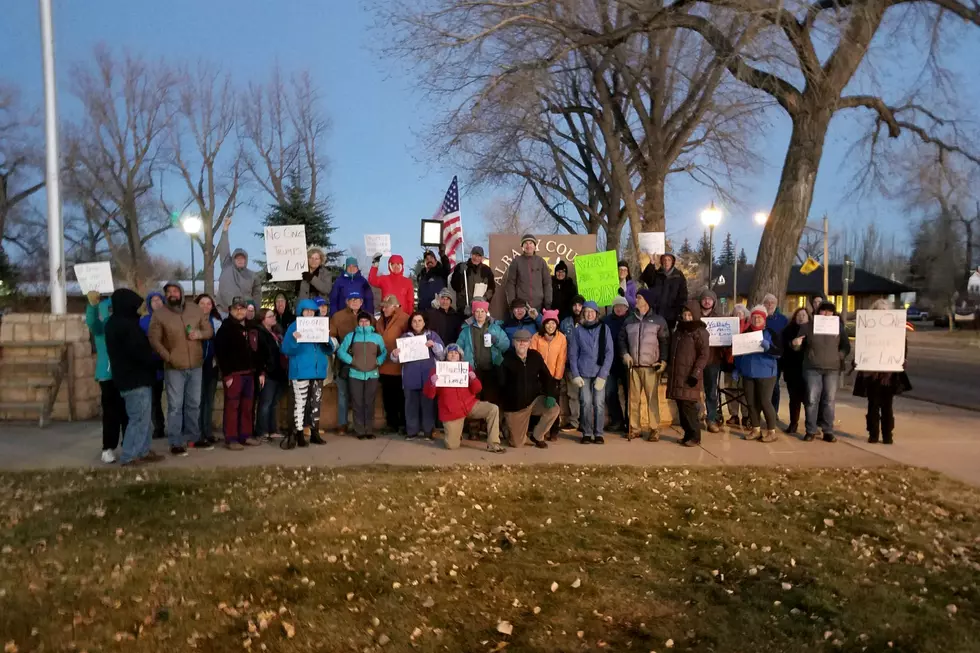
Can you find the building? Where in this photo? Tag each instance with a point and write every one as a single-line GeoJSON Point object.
{"type": "Point", "coordinates": [867, 287]}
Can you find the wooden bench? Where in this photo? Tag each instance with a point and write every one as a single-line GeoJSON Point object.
{"type": "Point", "coordinates": [25, 365]}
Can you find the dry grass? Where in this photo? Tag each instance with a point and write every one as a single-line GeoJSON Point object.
{"type": "Point", "coordinates": [436, 560]}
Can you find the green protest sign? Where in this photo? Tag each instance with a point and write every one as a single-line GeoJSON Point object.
{"type": "Point", "coordinates": [598, 277]}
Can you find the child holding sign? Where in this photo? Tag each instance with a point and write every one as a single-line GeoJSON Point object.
{"type": "Point", "coordinates": [307, 368]}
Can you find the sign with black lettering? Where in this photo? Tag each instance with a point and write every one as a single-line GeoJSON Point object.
{"type": "Point", "coordinates": [879, 343]}
{"type": "Point", "coordinates": [285, 252]}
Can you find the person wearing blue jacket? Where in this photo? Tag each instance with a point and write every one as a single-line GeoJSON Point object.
{"type": "Point", "coordinates": [777, 323]}
{"type": "Point", "coordinates": [758, 372]}
{"type": "Point", "coordinates": [308, 363]}
{"type": "Point", "coordinates": [154, 301]}
{"type": "Point", "coordinates": [114, 418]}
{"type": "Point", "coordinates": [363, 351]}
{"type": "Point", "coordinates": [420, 411]}
{"type": "Point", "coordinates": [590, 357]}
{"type": "Point", "coordinates": [351, 281]}
{"type": "Point", "coordinates": [521, 318]}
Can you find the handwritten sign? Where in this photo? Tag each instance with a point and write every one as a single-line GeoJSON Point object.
{"type": "Point", "coordinates": [747, 343]}
{"type": "Point", "coordinates": [313, 329]}
{"type": "Point", "coordinates": [94, 276]}
{"type": "Point", "coordinates": [720, 330]}
{"type": "Point", "coordinates": [879, 344]}
{"type": "Point", "coordinates": [826, 325]}
{"type": "Point", "coordinates": [598, 277]}
{"type": "Point", "coordinates": [412, 348]}
{"type": "Point", "coordinates": [285, 252]}
{"type": "Point", "coordinates": [653, 243]}
{"type": "Point", "coordinates": [452, 375]}
{"type": "Point", "coordinates": [377, 244]}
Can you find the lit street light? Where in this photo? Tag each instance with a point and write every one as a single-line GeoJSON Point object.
{"type": "Point", "coordinates": [710, 217]}
{"type": "Point", "coordinates": [761, 218]}
{"type": "Point", "coordinates": [191, 224]}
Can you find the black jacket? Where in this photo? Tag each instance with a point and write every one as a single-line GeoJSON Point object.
{"type": "Point", "coordinates": [237, 348]}
{"type": "Point", "coordinates": [285, 318]}
{"type": "Point", "coordinates": [274, 364]}
{"type": "Point", "coordinates": [474, 275]}
{"type": "Point", "coordinates": [446, 323]}
{"type": "Point", "coordinates": [130, 355]}
{"type": "Point", "coordinates": [791, 362]}
{"type": "Point", "coordinates": [522, 382]}
{"type": "Point", "coordinates": [562, 292]}
{"type": "Point", "coordinates": [431, 282]}
{"type": "Point", "coordinates": [669, 291]}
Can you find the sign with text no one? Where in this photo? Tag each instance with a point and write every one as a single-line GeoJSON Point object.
{"type": "Point", "coordinates": [285, 252]}
{"type": "Point", "coordinates": [879, 342]}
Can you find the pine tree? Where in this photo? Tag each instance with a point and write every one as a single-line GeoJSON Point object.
{"type": "Point", "coordinates": [727, 255]}
{"type": "Point", "coordinates": [8, 275]}
{"type": "Point", "coordinates": [686, 248]}
{"type": "Point", "coordinates": [743, 260]}
{"type": "Point", "coordinates": [704, 253]}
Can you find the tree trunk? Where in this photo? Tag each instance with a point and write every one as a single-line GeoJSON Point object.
{"type": "Point", "coordinates": [791, 207]}
{"type": "Point", "coordinates": [654, 204]}
{"type": "Point", "coordinates": [208, 256]}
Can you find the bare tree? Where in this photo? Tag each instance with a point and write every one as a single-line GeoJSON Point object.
{"type": "Point", "coordinates": [517, 216]}
{"type": "Point", "coordinates": [21, 172]}
{"type": "Point", "coordinates": [205, 152]}
{"type": "Point", "coordinates": [116, 148]}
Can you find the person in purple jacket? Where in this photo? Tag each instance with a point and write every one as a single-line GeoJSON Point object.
{"type": "Point", "coordinates": [154, 301]}
{"type": "Point", "coordinates": [590, 357]}
{"type": "Point", "coordinates": [420, 411]}
{"type": "Point", "coordinates": [351, 281]}
{"type": "Point", "coordinates": [627, 287]}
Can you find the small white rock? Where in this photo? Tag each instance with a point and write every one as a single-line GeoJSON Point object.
{"type": "Point", "coordinates": [951, 608]}
{"type": "Point", "coordinates": [505, 628]}
{"type": "Point", "coordinates": [669, 643]}
{"type": "Point", "coordinates": [577, 584]}
{"type": "Point", "coordinates": [554, 587]}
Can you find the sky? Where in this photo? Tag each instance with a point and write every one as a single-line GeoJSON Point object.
{"type": "Point", "coordinates": [378, 179]}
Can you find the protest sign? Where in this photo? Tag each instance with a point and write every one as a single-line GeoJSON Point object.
{"type": "Point", "coordinates": [720, 330]}
{"type": "Point", "coordinates": [412, 348]}
{"type": "Point", "coordinates": [879, 344]}
{"type": "Point", "coordinates": [377, 244]}
{"type": "Point", "coordinates": [452, 375]}
{"type": "Point", "coordinates": [747, 343]}
{"type": "Point", "coordinates": [313, 329]}
{"type": "Point", "coordinates": [285, 252]}
{"type": "Point", "coordinates": [94, 276]}
{"type": "Point", "coordinates": [653, 242]}
{"type": "Point", "coordinates": [826, 325]}
{"type": "Point", "coordinates": [598, 277]}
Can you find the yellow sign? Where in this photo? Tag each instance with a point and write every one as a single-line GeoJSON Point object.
{"type": "Point", "coordinates": [809, 265]}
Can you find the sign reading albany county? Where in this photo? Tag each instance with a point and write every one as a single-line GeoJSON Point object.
{"type": "Point", "coordinates": [504, 248]}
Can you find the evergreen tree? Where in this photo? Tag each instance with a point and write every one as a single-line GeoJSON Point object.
{"type": "Point", "coordinates": [704, 252]}
{"type": "Point", "coordinates": [727, 255]}
{"type": "Point", "coordinates": [743, 260]}
{"type": "Point", "coordinates": [686, 248]}
{"type": "Point", "coordinates": [8, 275]}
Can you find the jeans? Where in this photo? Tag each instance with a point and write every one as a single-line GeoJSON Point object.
{"type": "Point", "coordinates": [420, 413]}
{"type": "Point", "coordinates": [593, 408]}
{"type": "Point", "coordinates": [343, 399]}
{"type": "Point", "coordinates": [267, 418]}
{"type": "Point", "coordinates": [209, 386]}
{"type": "Point", "coordinates": [712, 377]}
{"type": "Point", "coordinates": [183, 406]}
{"type": "Point", "coordinates": [617, 414]}
{"type": "Point", "coordinates": [136, 442]}
{"type": "Point", "coordinates": [239, 399]}
{"type": "Point", "coordinates": [114, 418]}
{"type": "Point", "coordinates": [821, 392]}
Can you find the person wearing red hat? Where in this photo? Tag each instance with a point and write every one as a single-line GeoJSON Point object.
{"type": "Point", "coordinates": [758, 372]}
{"type": "Point", "coordinates": [395, 282]}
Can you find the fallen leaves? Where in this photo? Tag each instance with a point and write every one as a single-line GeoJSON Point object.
{"type": "Point", "coordinates": [288, 629]}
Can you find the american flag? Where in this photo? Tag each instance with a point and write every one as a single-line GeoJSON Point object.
{"type": "Point", "coordinates": [452, 225]}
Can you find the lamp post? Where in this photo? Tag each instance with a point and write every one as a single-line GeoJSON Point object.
{"type": "Point", "coordinates": [710, 217]}
{"type": "Point", "coordinates": [191, 225]}
{"type": "Point", "coordinates": [56, 231]}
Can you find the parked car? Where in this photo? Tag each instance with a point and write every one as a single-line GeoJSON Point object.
{"type": "Point", "coordinates": [913, 314]}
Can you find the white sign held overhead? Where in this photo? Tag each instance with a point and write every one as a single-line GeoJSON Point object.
{"type": "Point", "coordinates": [720, 330]}
{"type": "Point", "coordinates": [452, 375]}
{"type": "Point", "coordinates": [375, 244]}
{"type": "Point", "coordinates": [653, 242]}
{"type": "Point", "coordinates": [94, 277]}
{"type": "Point", "coordinates": [826, 325]}
{"type": "Point", "coordinates": [412, 348]}
{"type": "Point", "coordinates": [313, 329]}
{"type": "Point", "coordinates": [879, 343]}
{"type": "Point", "coordinates": [285, 252]}
{"type": "Point", "coordinates": [747, 343]}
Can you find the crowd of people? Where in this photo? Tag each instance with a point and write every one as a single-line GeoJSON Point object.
{"type": "Point", "coordinates": [553, 345]}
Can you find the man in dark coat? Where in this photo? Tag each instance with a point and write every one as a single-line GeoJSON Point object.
{"type": "Point", "coordinates": [444, 319]}
{"type": "Point", "coordinates": [433, 277]}
{"type": "Point", "coordinates": [669, 288]}
{"type": "Point", "coordinates": [563, 290]}
{"type": "Point", "coordinates": [467, 275]}
{"type": "Point", "coordinates": [527, 388]}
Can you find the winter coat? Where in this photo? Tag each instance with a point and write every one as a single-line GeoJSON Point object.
{"type": "Point", "coordinates": [446, 323]}
{"type": "Point", "coordinates": [629, 292]}
{"type": "Point", "coordinates": [307, 360]}
{"type": "Point", "coordinates": [168, 335]}
{"type": "Point", "coordinates": [529, 280]}
{"type": "Point", "coordinates": [363, 351]}
{"type": "Point", "coordinates": [472, 347]}
{"type": "Point", "coordinates": [473, 275]}
{"type": "Point", "coordinates": [127, 347]}
{"type": "Point", "coordinates": [777, 321]}
{"type": "Point", "coordinates": [431, 282]}
{"type": "Point", "coordinates": [391, 329]}
{"type": "Point", "coordinates": [394, 284]}
{"type": "Point", "coordinates": [615, 325]}
{"type": "Point", "coordinates": [763, 365]}
{"type": "Point", "coordinates": [894, 382]}
{"type": "Point", "coordinates": [590, 351]}
{"type": "Point", "coordinates": [285, 318]}
{"type": "Point", "coordinates": [344, 285]}
{"type": "Point", "coordinates": [233, 282]}
{"type": "Point", "coordinates": [319, 285]}
{"type": "Point", "coordinates": [454, 403]}
{"type": "Point", "coordinates": [554, 352]}
{"type": "Point", "coordinates": [275, 365]}
{"type": "Point", "coordinates": [95, 318]}
{"type": "Point", "coordinates": [415, 373]}
{"type": "Point", "coordinates": [791, 362]}
{"type": "Point", "coordinates": [563, 291]}
{"type": "Point", "coordinates": [719, 356]}
{"type": "Point", "coordinates": [823, 352]}
{"type": "Point", "coordinates": [236, 347]}
{"type": "Point", "coordinates": [145, 325]}
{"type": "Point", "coordinates": [523, 381]}
{"type": "Point", "coordinates": [512, 325]}
{"type": "Point", "coordinates": [669, 291]}
{"type": "Point", "coordinates": [568, 324]}
{"type": "Point", "coordinates": [689, 355]}
{"type": "Point", "coordinates": [342, 323]}
{"type": "Point", "coordinates": [645, 338]}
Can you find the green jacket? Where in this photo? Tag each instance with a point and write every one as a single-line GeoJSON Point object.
{"type": "Point", "coordinates": [95, 318]}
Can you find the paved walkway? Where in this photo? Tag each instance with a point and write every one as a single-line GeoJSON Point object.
{"type": "Point", "coordinates": [926, 435]}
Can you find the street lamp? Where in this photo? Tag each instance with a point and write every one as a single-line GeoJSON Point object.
{"type": "Point", "coordinates": [761, 218]}
{"type": "Point", "coordinates": [191, 225]}
{"type": "Point", "coordinates": [711, 216]}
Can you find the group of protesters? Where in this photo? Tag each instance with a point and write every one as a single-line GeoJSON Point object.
{"type": "Point", "coordinates": [552, 345]}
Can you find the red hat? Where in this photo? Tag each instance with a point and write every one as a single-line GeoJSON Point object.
{"type": "Point", "coordinates": [549, 315]}
{"type": "Point", "coordinates": [396, 258]}
{"type": "Point", "coordinates": [479, 303]}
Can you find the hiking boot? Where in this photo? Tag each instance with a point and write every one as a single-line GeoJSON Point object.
{"type": "Point", "coordinates": [234, 445]}
{"type": "Point", "coordinates": [552, 437]}
{"type": "Point", "coordinates": [809, 437]}
{"type": "Point", "coordinates": [599, 440]}
{"type": "Point", "coordinates": [654, 436]}
{"type": "Point", "coordinates": [690, 443]}
{"type": "Point", "coordinates": [829, 437]}
{"type": "Point", "coordinates": [411, 436]}
{"type": "Point", "coordinates": [792, 428]}
{"type": "Point", "coordinates": [754, 434]}
{"type": "Point", "coordinates": [770, 436]}
{"type": "Point", "coordinates": [178, 451]}
{"type": "Point", "coordinates": [714, 428]}
{"type": "Point", "coordinates": [152, 457]}
{"type": "Point", "coordinates": [429, 436]}
{"type": "Point", "coordinates": [204, 445]}
{"type": "Point", "coordinates": [586, 439]}
{"type": "Point", "coordinates": [632, 435]}
{"type": "Point", "coordinates": [288, 442]}
{"type": "Point", "coordinates": [873, 438]}
{"type": "Point", "coordinates": [887, 438]}
{"type": "Point", "coordinates": [316, 439]}
{"type": "Point", "coordinates": [540, 444]}
{"type": "Point", "coordinates": [253, 442]}
{"type": "Point", "coordinates": [301, 440]}
{"type": "Point", "coordinates": [495, 448]}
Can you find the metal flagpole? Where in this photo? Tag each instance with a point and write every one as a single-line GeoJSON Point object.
{"type": "Point", "coordinates": [56, 236]}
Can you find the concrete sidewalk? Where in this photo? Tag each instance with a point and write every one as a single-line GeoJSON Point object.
{"type": "Point", "coordinates": [943, 439]}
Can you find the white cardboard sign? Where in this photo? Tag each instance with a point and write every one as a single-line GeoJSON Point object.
{"type": "Point", "coordinates": [377, 244]}
{"type": "Point", "coordinates": [826, 325]}
{"type": "Point", "coordinates": [720, 330]}
{"type": "Point", "coordinates": [653, 243]}
{"type": "Point", "coordinates": [412, 348]}
{"type": "Point", "coordinates": [452, 374]}
{"type": "Point", "coordinates": [285, 252]}
{"type": "Point", "coordinates": [94, 276]}
{"type": "Point", "coordinates": [880, 341]}
{"type": "Point", "coordinates": [313, 329]}
{"type": "Point", "coordinates": [749, 342]}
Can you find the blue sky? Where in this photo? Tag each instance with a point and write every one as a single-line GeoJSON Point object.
{"type": "Point", "coordinates": [375, 174]}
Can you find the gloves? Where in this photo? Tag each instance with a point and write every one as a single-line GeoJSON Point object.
{"type": "Point", "coordinates": [307, 276]}
{"type": "Point", "coordinates": [550, 402]}
{"type": "Point", "coordinates": [692, 381]}
{"type": "Point", "coordinates": [660, 367]}
{"type": "Point", "coordinates": [628, 360]}
{"type": "Point", "coordinates": [93, 297]}
{"type": "Point", "coordinates": [622, 293]}
{"type": "Point", "coordinates": [600, 384]}
{"type": "Point", "coordinates": [578, 382]}
{"type": "Point", "coordinates": [376, 259]}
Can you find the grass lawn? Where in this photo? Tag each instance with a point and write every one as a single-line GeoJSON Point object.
{"type": "Point", "coordinates": [489, 559]}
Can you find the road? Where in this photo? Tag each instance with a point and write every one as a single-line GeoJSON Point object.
{"type": "Point", "coordinates": [944, 369]}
